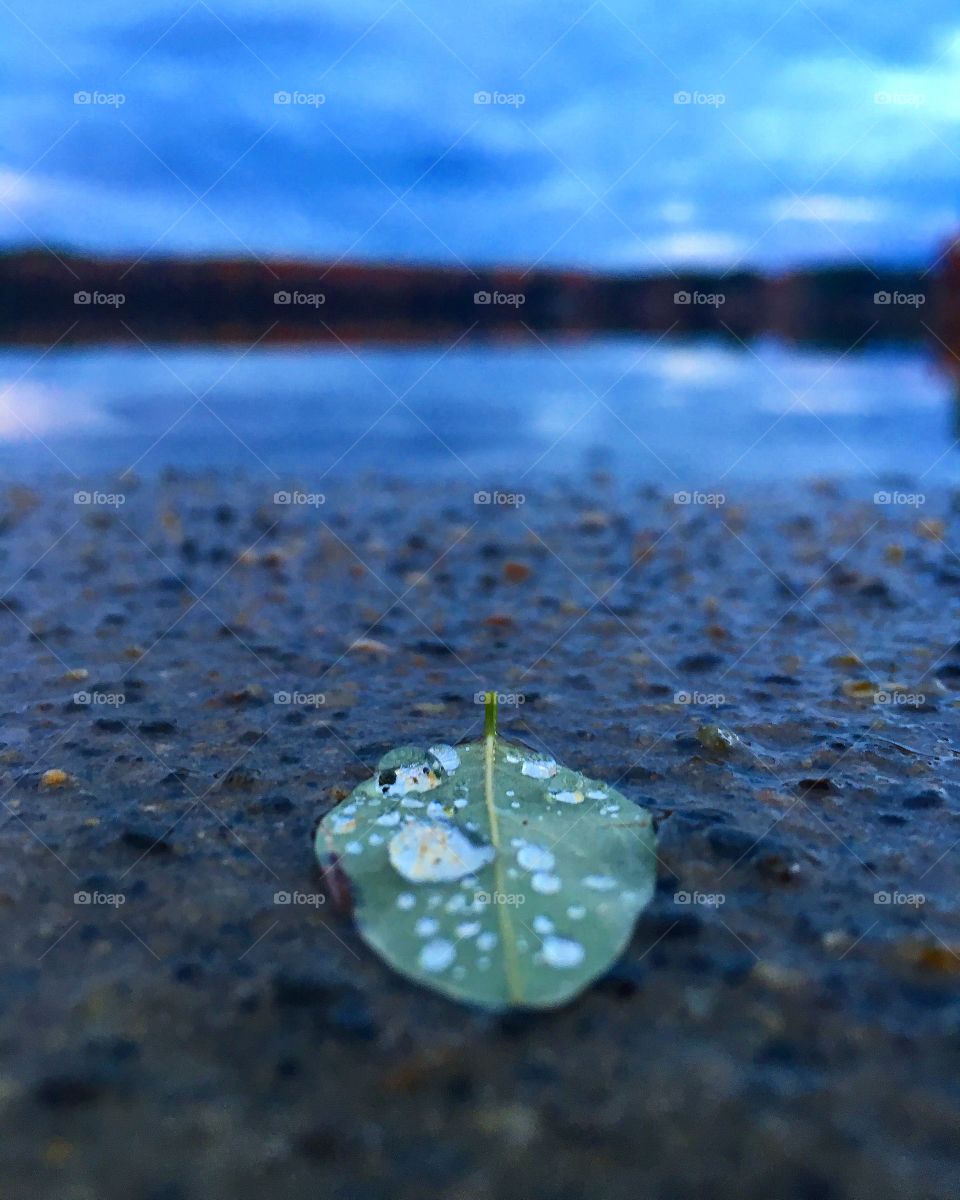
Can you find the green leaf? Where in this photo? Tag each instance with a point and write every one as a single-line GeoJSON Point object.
{"type": "Point", "coordinates": [491, 873]}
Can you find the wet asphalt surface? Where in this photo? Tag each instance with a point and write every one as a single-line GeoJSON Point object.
{"type": "Point", "coordinates": [775, 677]}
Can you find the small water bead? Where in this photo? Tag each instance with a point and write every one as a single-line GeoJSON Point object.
{"type": "Point", "coordinates": [545, 883]}
{"type": "Point", "coordinates": [576, 912]}
{"type": "Point", "coordinates": [468, 929]}
{"type": "Point", "coordinates": [389, 819]}
{"type": "Point", "coordinates": [539, 768]}
{"type": "Point", "coordinates": [599, 883]}
{"type": "Point", "coordinates": [406, 901]}
{"type": "Point", "coordinates": [437, 955]}
{"type": "Point", "coordinates": [426, 927]}
{"type": "Point", "coordinates": [375, 839]}
{"type": "Point", "coordinates": [486, 942]}
{"type": "Point", "coordinates": [562, 952]}
{"type": "Point", "coordinates": [567, 797]}
{"type": "Point", "coordinates": [445, 756]}
{"type": "Point", "coordinates": [354, 847]}
{"type": "Point", "coordinates": [542, 925]}
{"type": "Point", "coordinates": [536, 858]}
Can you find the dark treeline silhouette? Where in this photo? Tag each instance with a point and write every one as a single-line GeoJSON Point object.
{"type": "Point", "coordinates": [45, 296]}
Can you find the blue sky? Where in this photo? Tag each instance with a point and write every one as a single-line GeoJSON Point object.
{"type": "Point", "coordinates": [813, 131]}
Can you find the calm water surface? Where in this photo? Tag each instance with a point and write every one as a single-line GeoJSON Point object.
{"type": "Point", "coordinates": [688, 414]}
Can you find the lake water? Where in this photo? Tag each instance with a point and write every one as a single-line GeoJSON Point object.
{"type": "Point", "coordinates": [676, 413]}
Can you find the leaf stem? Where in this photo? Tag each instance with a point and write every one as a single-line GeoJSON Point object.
{"type": "Point", "coordinates": [490, 715]}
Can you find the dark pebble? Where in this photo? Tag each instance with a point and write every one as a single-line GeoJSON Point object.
{"type": "Point", "coordinates": [109, 725]}
{"type": "Point", "coordinates": [700, 662]}
{"type": "Point", "coordinates": [932, 797]}
{"type": "Point", "coordinates": [157, 727]}
{"type": "Point", "coordinates": [147, 840]}
{"type": "Point", "coordinates": [68, 1091]}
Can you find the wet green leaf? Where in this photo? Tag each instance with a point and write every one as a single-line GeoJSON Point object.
{"type": "Point", "coordinates": [491, 873]}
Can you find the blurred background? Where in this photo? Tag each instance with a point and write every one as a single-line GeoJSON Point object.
{"type": "Point", "coordinates": [690, 245]}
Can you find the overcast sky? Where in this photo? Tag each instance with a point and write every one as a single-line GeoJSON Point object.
{"type": "Point", "coordinates": [617, 135]}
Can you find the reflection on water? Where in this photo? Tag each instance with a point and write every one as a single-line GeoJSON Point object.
{"type": "Point", "coordinates": [672, 412]}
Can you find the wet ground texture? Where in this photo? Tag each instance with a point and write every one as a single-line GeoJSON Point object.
{"type": "Point", "coordinates": [194, 676]}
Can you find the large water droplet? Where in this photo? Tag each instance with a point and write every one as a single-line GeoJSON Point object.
{"type": "Point", "coordinates": [562, 952]}
{"type": "Point", "coordinates": [435, 852]}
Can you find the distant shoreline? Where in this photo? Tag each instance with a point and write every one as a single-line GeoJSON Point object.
{"type": "Point", "coordinates": [47, 297]}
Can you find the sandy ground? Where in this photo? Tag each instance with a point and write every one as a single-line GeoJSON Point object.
{"type": "Point", "coordinates": [785, 1023]}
